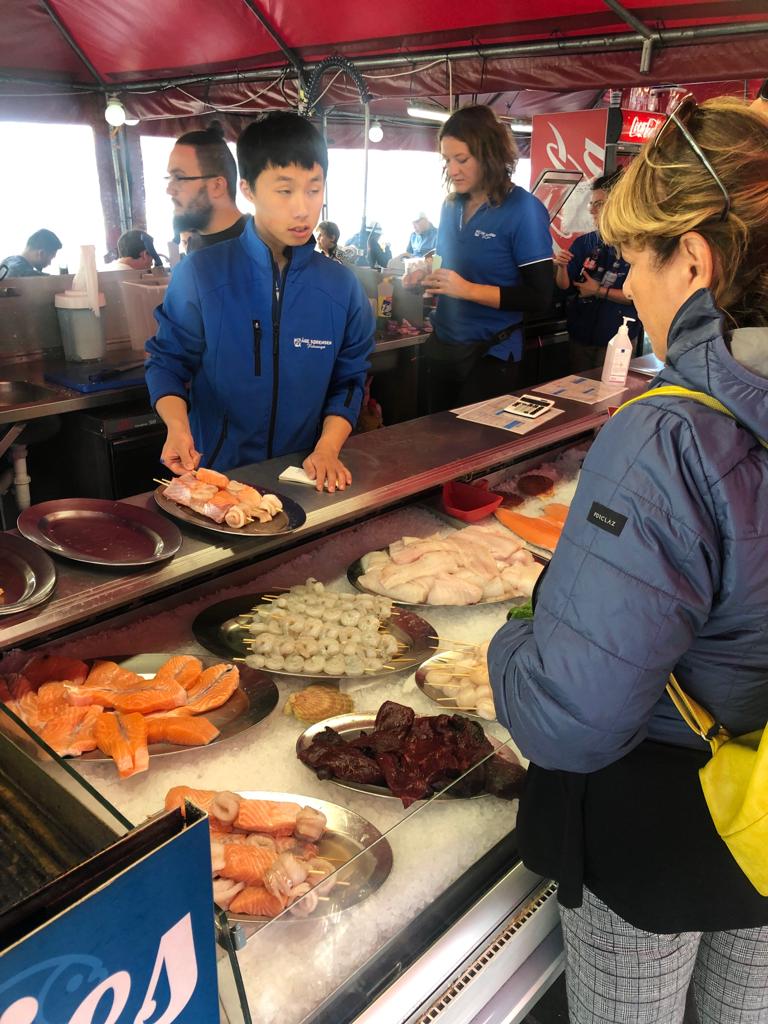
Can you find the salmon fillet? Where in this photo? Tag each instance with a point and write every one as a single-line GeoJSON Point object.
{"type": "Point", "coordinates": [18, 684]}
{"type": "Point", "coordinates": [213, 688]}
{"type": "Point", "coordinates": [55, 668]}
{"type": "Point", "coordinates": [114, 687]}
{"type": "Point", "coordinates": [256, 901]}
{"type": "Point", "coordinates": [176, 796]}
{"type": "Point", "coordinates": [189, 732]}
{"type": "Point", "coordinates": [124, 739]}
{"type": "Point", "coordinates": [211, 476]}
{"type": "Point", "coordinates": [5, 693]}
{"type": "Point", "coordinates": [52, 699]}
{"type": "Point", "coordinates": [244, 863]}
{"type": "Point", "coordinates": [25, 708]}
{"type": "Point", "coordinates": [72, 732]}
{"type": "Point", "coordinates": [183, 669]}
{"type": "Point", "coordinates": [271, 816]}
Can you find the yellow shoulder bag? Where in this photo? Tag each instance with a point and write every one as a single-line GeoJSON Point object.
{"type": "Point", "coordinates": [735, 779]}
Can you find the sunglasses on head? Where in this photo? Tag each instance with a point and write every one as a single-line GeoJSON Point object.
{"type": "Point", "coordinates": [680, 117]}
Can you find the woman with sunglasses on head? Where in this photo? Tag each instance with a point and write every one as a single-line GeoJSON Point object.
{"type": "Point", "coordinates": [662, 567]}
{"type": "Point", "coordinates": [496, 264]}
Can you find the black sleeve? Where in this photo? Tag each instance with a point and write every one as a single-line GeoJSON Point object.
{"type": "Point", "coordinates": [534, 293]}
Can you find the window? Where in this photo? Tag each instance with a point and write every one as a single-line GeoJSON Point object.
{"type": "Point", "coordinates": [48, 179]}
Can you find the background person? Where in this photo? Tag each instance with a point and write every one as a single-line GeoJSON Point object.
{"type": "Point", "coordinates": [423, 238]}
{"type": "Point", "coordinates": [202, 183]}
{"type": "Point", "coordinates": [327, 235]}
{"type": "Point", "coordinates": [593, 274]}
{"type": "Point", "coordinates": [267, 340]}
{"type": "Point", "coordinates": [39, 253]}
{"type": "Point", "coordinates": [496, 253]}
{"type": "Point", "coordinates": [663, 566]}
{"type": "Point", "coordinates": [132, 250]}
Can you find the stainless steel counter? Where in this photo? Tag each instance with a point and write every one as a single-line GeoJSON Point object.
{"type": "Point", "coordinates": [388, 466]}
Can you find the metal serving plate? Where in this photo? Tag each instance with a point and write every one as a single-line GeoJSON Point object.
{"type": "Point", "coordinates": [356, 570]}
{"type": "Point", "coordinates": [27, 574]}
{"type": "Point", "coordinates": [100, 532]}
{"type": "Point", "coordinates": [219, 631]}
{"type": "Point", "coordinates": [291, 518]}
{"type": "Point", "coordinates": [347, 835]}
{"type": "Point", "coordinates": [443, 699]}
{"type": "Point", "coordinates": [255, 698]}
{"type": "Point", "coordinates": [351, 726]}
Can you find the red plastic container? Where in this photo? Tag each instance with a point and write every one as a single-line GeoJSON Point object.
{"type": "Point", "coordinates": [469, 502]}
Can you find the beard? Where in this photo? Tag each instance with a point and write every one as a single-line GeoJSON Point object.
{"type": "Point", "coordinates": [197, 214]}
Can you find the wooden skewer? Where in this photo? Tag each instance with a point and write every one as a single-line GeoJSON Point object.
{"type": "Point", "coordinates": [448, 640]}
{"type": "Point", "coordinates": [165, 483]}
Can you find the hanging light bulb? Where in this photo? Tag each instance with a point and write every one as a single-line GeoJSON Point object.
{"type": "Point", "coordinates": [114, 113]}
{"type": "Point", "coordinates": [375, 132]}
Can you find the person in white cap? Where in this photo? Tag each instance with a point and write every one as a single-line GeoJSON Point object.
{"type": "Point", "coordinates": [424, 237]}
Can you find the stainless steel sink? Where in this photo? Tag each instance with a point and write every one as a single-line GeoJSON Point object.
{"type": "Point", "coordinates": [21, 392]}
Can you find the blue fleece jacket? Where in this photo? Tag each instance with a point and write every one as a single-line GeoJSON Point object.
{"type": "Point", "coordinates": [261, 357]}
{"type": "Point", "coordinates": [668, 572]}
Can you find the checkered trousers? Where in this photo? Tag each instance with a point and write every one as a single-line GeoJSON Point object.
{"type": "Point", "coordinates": [620, 974]}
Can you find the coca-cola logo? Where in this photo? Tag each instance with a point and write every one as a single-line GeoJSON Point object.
{"type": "Point", "coordinates": [640, 128]}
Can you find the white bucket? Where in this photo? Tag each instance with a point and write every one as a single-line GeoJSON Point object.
{"type": "Point", "coordinates": [82, 332]}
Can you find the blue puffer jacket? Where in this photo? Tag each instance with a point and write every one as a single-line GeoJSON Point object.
{"type": "Point", "coordinates": [265, 359]}
{"type": "Point", "coordinates": [679, 581]}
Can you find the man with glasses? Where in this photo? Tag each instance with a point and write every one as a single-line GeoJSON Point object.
{"type": "Point", "coordinates": [592, 274]}
{"type": "Point", "coordinates": [202, 183]}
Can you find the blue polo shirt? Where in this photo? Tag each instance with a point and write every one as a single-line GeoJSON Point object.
{"type": "Point", "coordinates": [490, 249]}
{"type": "Point", "coordinates": [594, 321]}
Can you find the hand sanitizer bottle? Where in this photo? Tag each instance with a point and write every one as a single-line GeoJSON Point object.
{"type": "Point", "coordinates": [618, 355]}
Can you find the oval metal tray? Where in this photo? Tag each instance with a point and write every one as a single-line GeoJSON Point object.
{"type": "Point", "coordinates": [351, 726]}
{"type": "Point", "coordinates": [27, 574]}
{"type": "Point", "coordinates": [100, 532]}
{"type": "Point", "coordinates": [291, 518]}
{"type": "Point", "coordinates": [348, 835]}
{"type": "Point", "coordinates": [356, 570]}
{"type": "Point", "coordinates": [447, 703]}
{"type": "Point", "coordinates": [255, 698]}
{"type": "Point", "coordinates": [218, 630]}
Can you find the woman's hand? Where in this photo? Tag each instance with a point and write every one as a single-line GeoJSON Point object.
{"type": "Point", "coordinates": [587, 288]}
{"type": "Point", "coordinates": [447, 282]}
{"type": "Point", "coordinates": [325, 467]}
{"type": "Point", "coordinates": [179, 453]}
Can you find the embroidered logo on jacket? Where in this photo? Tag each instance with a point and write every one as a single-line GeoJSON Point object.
{"type": "Point", "coordinates": [484, 234]}
{"type": "Point", "coordinates": [606, 518]}
{"type": "Point", "coordinates": [313, 343]}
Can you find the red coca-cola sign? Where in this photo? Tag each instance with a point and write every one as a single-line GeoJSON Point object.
{"type": "Point", "coordinates": [639, 125]}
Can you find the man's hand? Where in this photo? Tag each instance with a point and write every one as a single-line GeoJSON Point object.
{"type": "Point", "coordinates": [587, 288]}
{"type": "Point", "coordinates": [561, 258]}
{"type": "Point", "coordinates": [179, 453]}
{"type": "Point", "coordinates": [447, 282]}
{"type": "Point", "coordinates": [325, 467]}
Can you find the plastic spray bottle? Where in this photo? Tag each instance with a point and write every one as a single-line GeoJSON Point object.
{"type": "Point", "coordinates": [618, 355]}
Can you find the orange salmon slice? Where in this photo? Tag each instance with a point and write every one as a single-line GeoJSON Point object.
{"type": "Point", "coordinates": [214, 688]}
{"type": "Point", "coordinates": [271, 816]}
{"type": "Point", "coordinates": [124, 739]}
{"type": "Point", "coordinates": [55, 668]}
{"type": "Point", "coordinates": [176, 796]}
{"type": "Point", "coordinates": [535, 530]}
{"type": "Point", "coordinates": [255, 900]}
{"type": "Point", "coordinates": [246, 863]}
{"type": "Point", "coordinates": [73, 731]}
{"type": "Point", "coordinates": [186, 731]}
{"type": "Point", "coordinates": [184, 669]}
{"type": "Point", "coordinates": [52, 699]}
{"type": "Point", "coordinates": [556, 513]}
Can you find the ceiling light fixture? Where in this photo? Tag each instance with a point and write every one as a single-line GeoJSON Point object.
{"type": "Point", "coordinates": [114, 114]}
{"type": "Point", "coordinates": [523, 127]}
{"type": "Point", "coordinates": [429, 113]}
{"type": "Point", "coordinates": [375, 132]}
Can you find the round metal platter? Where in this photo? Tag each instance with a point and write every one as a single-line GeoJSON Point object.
{"type": "Point", "coordinates": [100, 532]}
{"type": "Point", "coordinates": [347, 835]}
{"type": "Point", "coordinates": [291, 518]}
{"type": "Point", "coordinates": [27, 574]}
{"type": "Point", "coordinates": [254, 699]}
{"type": "Point", "coordinates": [443, 699]}
{"type": "Point", "coordinates": [356, 570]}
{"type": "Point", "coordinates": [219, 631]}
{"type": "Point", "coordinates": [351, 726]}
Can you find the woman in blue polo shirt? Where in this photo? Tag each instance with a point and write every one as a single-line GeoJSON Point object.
{"type": "Point", "coordinates": [496, 253]}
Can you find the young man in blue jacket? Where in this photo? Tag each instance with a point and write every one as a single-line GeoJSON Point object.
{"type": "Point", "coordinates": [262, 344]}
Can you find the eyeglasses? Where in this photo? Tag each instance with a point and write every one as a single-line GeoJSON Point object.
{"type": "Point", "coordinates": [596, 206]}
{"type": "Point", "coordinates": [680, 117]}
{"type": "Point", "coordinates": [176, 179]}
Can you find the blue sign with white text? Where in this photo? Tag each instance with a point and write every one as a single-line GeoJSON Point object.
{"type": "Point", "coordinates": [139, 950]}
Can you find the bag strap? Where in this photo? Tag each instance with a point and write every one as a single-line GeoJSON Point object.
{"type": "Point", "coordinates": [693, 714]}
{"type": "Point", "coordinates": [675, 391]}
